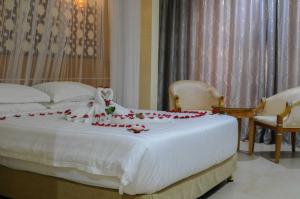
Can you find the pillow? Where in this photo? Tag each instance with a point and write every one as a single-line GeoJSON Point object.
{"type": "Point", "coordinates": [66, 105]}
{"type": "Point", "coordinates": [15, 93]}
{"type": "Point", "coordinates": [67, 91]}
{"type": "Point", "coordinates": [11, 109]}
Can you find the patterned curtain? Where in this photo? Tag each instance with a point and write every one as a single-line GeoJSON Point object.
{"type": "Point", "coordinates": [50, 40]}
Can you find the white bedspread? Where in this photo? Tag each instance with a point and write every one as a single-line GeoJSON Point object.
{"type": "Point", "coordinates": [144, 163]}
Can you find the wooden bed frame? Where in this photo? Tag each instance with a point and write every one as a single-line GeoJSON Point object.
{"type": "Point", "coordinates": [16, 184]}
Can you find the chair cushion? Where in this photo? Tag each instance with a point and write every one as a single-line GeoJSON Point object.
{"type": "Point", "coordinates": [193, 95]}
{"type": "Point", "coordinates": [277, 103]}
{"type": "Point", "coordinates": [288, 122]}
{"type": "Point", "coordinates": [270, 120]}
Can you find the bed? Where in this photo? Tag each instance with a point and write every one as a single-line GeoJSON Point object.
{"type": "Point", "coordinates": [42, 155]}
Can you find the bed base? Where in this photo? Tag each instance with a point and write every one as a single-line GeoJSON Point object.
{"type": "Point", "coordinates": [26, 185]}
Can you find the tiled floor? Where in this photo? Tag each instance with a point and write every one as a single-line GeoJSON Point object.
{"type": "Point", "coordinates": [258, 177]}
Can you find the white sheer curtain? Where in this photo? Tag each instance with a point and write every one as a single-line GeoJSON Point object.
{"type": "Point", "coordinates": [125, 50]}
{"type": "Point", "coordinates": [49, 39]}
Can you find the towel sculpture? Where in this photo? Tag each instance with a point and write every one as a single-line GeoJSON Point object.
{"type": "Point", "coordinates": [99, 110]}
{"type": "Point", "coordinates": [104, 112]}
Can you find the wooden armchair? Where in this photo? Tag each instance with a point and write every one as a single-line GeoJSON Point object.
{"type": "Point", "coordinates": [280, 113]}
{"type": "Point", "coordinates": [193, 95]}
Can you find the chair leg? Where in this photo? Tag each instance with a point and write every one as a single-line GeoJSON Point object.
{"type": "Point", "coordinates": [239, 133]}
{"type": "Point", "coordinates": [278, 140]}
{"type": "Point", "coordinates": [230, 179]}
{"type": "Point", "coordinates": [293, 136]}
{"type": "Point", "coordinates": [252, 129]}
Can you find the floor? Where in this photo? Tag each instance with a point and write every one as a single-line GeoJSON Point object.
{"type": "Point", "coordinates": [258, 177]}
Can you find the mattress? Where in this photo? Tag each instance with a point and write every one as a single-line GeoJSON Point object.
{"type": "Point", "coordinates": [113, 157]}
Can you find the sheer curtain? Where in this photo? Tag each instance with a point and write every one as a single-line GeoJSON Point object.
{"type": "Point", "coordinates": [51, 40]}
{"type": "Point", "coordinates": [125, 50]}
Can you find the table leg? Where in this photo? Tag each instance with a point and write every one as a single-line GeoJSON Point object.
{"type": "Point", "coordinates": [251, 136]}
{"type": "Point", "coordinates": [239, 132]}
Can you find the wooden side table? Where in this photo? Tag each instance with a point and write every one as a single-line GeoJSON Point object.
{"type": "Point", "coordinates": [238, 113]}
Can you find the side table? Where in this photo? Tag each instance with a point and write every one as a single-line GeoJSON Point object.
{"type": "Point", "coordinates": [239, 113]}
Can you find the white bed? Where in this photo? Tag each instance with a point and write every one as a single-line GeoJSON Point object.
{"type": "Point", "coordinates": [113, 157]}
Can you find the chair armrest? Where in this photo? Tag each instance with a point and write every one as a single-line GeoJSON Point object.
{"type": "Point", "coordinates": [221, 101]}
{"type": "Point", "coordinates": [177, 104]}
{"type": "Point", "coordinates": [261, 106]}
{"type": "Point", "coordinates": [296, 103]}
{"type": "Point", "coordinates": [220, 98]}
{"type": "Point", "coordinates": [288, 112]}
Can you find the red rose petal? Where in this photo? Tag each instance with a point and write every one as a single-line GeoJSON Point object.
{"type": "Point", "coordinates": [68, 111]}
{"type": "Point", "coordinates": [107, 102]}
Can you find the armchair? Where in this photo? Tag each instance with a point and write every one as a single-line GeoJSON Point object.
{"type": "Point", "coordinates": [280, 113]}
{"type": "Point", "coordinates": [193, 95]}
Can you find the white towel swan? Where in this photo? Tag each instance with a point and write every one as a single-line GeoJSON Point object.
{"type": "Point", "coordinates": [104, 110]}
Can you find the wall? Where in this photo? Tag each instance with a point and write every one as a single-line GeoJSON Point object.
{"type": "Point", "coordinates": [149, 53]}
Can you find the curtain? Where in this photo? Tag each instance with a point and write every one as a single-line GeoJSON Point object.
{"type": "Point", "coordinates": [51, 40]}
{"type": "Point", "coordinates": [221, 42]}
{"type": "Point", "coordinates": [288, 44]}
{"type": "Point", "coordinates": [288, 54]}
{"type": "Point", "coordinates": [247, 49]}
{"type": "Point", "coordinates": [125, 51]}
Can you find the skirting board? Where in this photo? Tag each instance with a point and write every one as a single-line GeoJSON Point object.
{"type": "Point", "coordinates": [26, 185]}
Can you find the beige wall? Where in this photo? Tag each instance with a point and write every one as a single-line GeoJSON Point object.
{"type": "Point", "coordinates": [149, 53]}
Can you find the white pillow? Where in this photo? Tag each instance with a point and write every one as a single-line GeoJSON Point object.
{"type": "Point", "coordinates": [12, 109]}
{"type": "Point", "coordinates": [15, 93]}
{"type": "Point", "coordinates": [67, 91]}
{"type": "Point", "coordinates": [66, 105]}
